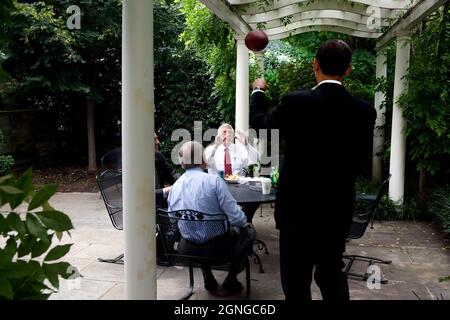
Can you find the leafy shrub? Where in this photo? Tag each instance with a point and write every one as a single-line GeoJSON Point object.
{"type": "Point", "coordinates": [426, 107]}
{"type": "Point", "coordinates": [22, 241]}
{"type": "Point", "coordinates": [408, 210]}
{"type": "Point", "coordinates": [389, 210]}
{"type": "Point", "coordinates": [6, 161]}
{"type": "Point", "coordinates": [438, 207]}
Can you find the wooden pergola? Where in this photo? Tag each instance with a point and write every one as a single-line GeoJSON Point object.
{"type": "Point", "coordinates": [384, 20]}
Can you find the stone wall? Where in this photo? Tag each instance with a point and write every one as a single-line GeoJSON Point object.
{"type": "Point", "coordinates": [29, 137]}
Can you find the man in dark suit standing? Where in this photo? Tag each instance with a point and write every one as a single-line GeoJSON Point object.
{"type": "Point", "coordinates": [165, 175]}
{"type": "Point", "coordinates": [328, 135]}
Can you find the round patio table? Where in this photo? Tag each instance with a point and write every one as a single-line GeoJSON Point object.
{"type": "Point", "coordinates": [250, 193]}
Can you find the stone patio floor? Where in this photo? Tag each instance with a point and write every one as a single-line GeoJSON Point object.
{"type": "Point", "coordinates": [419, 254]}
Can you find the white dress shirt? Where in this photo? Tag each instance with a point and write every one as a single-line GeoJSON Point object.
{"type": "Point", "coordinates": [241, 157]}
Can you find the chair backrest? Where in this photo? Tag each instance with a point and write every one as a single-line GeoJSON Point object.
{"type": "Point", "coordinates": [112, 160]}
{"type": "Point", "coordinates": [365, 208]}
{"type": "Point", "coordinates": [191, 226]}
{"type": "Point", "coordinates": [110, 185]}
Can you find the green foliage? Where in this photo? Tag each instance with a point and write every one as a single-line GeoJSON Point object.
{"type": "Point", "coordinates": [213, 42]}
{"type": "Point", "coordinates": [54, 68]}
{"type": "Point", "coordinates": [389, 210]}
{"type": "Point", "coordinates": [410, 209]}
{"type": "Point", "coordinates": [288, 65]}
{"type": "Point", "coordinates": [40, 43]}
{"type": "Point", "coordinates": [5, 8]}
{"type": "Point", "coordinates": [89, 66]}
{"type": "Point", "coordinates": [6, 161]}
{"type": "Point", "coordinates": [183, 87]}
{"type": "Point", "coordinates": [28, 267]}
{"type": "Point", "coordinates": [426, 105]}
{"type": "Point", "coordinates": [439, 208]}
{"type": "Point", "coordinates": [361, 81]}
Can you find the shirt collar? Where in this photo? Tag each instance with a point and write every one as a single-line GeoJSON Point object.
{"type": "Point", "coordinates": [194, 169]}
{"type": "Point", "coordinates": [328, 81]}
{"type": "Point", "coordinates": [222, 147]}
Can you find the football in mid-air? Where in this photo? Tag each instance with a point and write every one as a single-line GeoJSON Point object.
{"type": "Point", "coordinates": [256, 40]}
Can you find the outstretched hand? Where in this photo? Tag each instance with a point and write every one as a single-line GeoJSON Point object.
{"type": "Point", "coordinates": [260, 83]}
{"type": "Point", "coordinates": [218, 141]}
{"type": "Point", "coordinates": [241, 137]}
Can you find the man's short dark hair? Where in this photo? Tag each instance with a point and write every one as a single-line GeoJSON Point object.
{"type": "Point", "coordinates": [334, 57]}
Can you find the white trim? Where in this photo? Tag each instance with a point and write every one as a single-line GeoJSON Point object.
{"type": "Point", "coordinates": [223, 11]}
{"type": "Point", "coordinates": [387, 4]}
{"type": "Point", "coordinates": [330, 14]}
{"type": "Point", "coordinates": [411, 18]}
{"type": "Point", "coordinates": [331, 28]}
{"type": "Point", "coordinates": [322, 22]}
{"type": "Point", "coordinates": [296, 7]}
{"type": "Point", "coordinates": [258, 90]}
{"type": "Point", "coordinates": [328, 81]}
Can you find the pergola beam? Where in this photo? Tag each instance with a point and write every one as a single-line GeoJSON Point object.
{"type": "Point", "coordinates": [411, 18]}
{"type": "Point", "coordinates": [327, 14]}
{"type": "Point", "coordinates": [322, 22]}
{"type": "Point", "coordinates": [331, 28]}
{"type": "Point", "coordinates": [290, 10]}
{"type": "Point", "coordinates": [225, 13]}
{"type": "Point", "coordinates": [386, 4]}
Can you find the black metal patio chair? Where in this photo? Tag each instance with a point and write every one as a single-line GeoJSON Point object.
{"type": "Point", "coordinates": [365, 208]}
{"type": "Point", "coordinates": [110, 185]}
{"type": "Point", "coordinates": [112, 160]}
{"type": "Point", "coordinates": [169, 226]}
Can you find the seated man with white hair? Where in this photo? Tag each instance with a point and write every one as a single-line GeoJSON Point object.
{"type": "Point", "coordinates": [200, 191]}
{"type": "Point", "coordinates": [226, 155]}
{"type": "Point", "coordinates": [232, 158]}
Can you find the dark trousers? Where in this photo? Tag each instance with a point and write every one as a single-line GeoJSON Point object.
{"type": "Point", "coordinates": [297, 264]}
{"type": "Point", "coordinates": [234, 248]}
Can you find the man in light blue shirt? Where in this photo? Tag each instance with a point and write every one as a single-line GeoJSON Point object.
{"type": "Point", "coordinates": [203, 192]}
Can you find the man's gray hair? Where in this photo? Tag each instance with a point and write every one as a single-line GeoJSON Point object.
{"type": "Point", "coordinates": [225, 125]}
{"type": "Point", "coordinates": [191, 154]}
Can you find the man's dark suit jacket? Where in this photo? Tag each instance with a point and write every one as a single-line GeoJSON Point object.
{"type": "Point", "coordinates": [328, 135]}
{"type": "Point", "coordinates": [164, 175]}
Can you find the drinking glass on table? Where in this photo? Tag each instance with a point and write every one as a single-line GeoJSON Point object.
{"type": "Point", "coordinates": [266, 184]}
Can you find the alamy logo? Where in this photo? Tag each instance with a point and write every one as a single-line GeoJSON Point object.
{"type": "Point", "coordinates": [374, 280]}
{"type": "Point", "coordinates": [74, 281]}
{"type": "Point", "coordinates": [74, 21]}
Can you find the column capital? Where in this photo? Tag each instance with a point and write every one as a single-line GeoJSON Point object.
{"type": "Point", "coordinates": [403, 35]}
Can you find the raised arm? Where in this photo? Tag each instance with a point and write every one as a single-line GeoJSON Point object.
{"type": "Point", "coordinates": [260, 117]}
{"type": "Point", "coordinates": [247, 151]}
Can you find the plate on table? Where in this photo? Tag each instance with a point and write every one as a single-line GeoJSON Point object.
{"type": "Point", "coordinates": [232, 179]}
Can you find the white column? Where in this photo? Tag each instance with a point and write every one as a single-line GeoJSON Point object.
{"type": "Point", "coordinates": [378, 134]}
{"type": "Point", "coordinates": [398, 139]}
{"type": "Point", "coordinates": [138, 150]}
{"type": "Point", "coordinates": [242, 87]}
{"type": "Point", "coordinates": [259, 56]}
